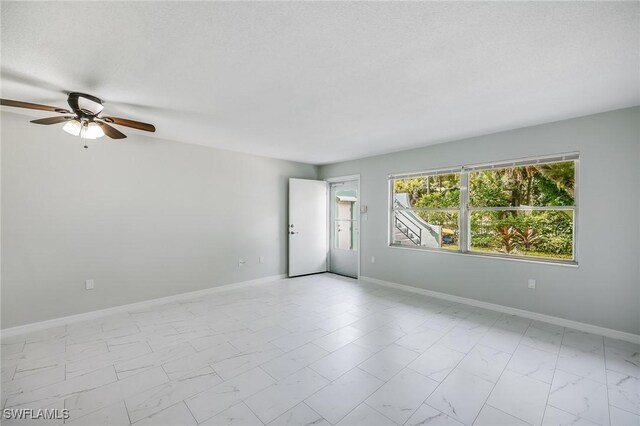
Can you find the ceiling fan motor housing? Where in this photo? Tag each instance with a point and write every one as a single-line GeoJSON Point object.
{"type": "Point", "coordinates": [85, 105]}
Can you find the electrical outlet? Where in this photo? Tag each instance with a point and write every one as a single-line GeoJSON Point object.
{"type": "Point", "coordinates": [89, 285]}
{"type": "Point", "coordinates": [241, 262]}
{"type": "Point", "coordinates": [261, 259]}
{"type": "Point", "coordinates": [373, 259]}
{"type": "Point", "coordinates": [532, 283]}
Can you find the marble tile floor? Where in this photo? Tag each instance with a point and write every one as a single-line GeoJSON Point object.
{"type": "Point", "coordinates": [320, 350]}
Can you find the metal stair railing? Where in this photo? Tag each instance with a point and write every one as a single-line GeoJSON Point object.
{"type": "Point", "coordinates": [408, 231]}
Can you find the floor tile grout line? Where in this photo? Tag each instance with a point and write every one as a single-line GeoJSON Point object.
{"type": "Point", "coordinates": [126, 407]}
{"type": "Point", "coordinates": [495, 384]}
{"type": "Point", "coordinates": [502, 411]}
{"type": "Point", "coordinates": [555, 368]}
{"type": "Point", "coordinates": [606, 380]}
{"type": "Point", "coordinates": [184, 402]}
{"type": "Point", "coordinates": [268, 374]}
{"type": "Point", "coordinates": [307, 405]}
{"type": "Point", "coordinates": [362, 402]}
{"type": "Point", "coordinates": [417, 372]}
{"type": "Point", "coordinates": [452, 369]}
{"type": "Point", "coordinates": [250, 409]}
{"type": "Point", "coordinates": [36, 388]}
{"type": "Point", "coordinates": [223, 382]}
{"type": "Point", "coordinates": [378, 411]}
{"type": "Point", "coordinates": [625, 410]}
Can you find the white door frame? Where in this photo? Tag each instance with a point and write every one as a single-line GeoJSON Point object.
{"type": "Point", "coordinates": [335, 180]}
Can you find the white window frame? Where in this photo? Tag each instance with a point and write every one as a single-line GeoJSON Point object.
{"type": "Point", "coordinates": [464, 224]}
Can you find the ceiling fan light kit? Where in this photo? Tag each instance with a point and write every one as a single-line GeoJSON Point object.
{"type": "Point", "coordinates": [86, 130]}
{"type": "Point", "coordinates": [87, 122]}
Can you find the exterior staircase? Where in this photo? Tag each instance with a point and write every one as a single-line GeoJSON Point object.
{"type": "Point", "coordinates": [411, 229]}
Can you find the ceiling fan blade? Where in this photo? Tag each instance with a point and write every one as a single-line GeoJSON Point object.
{"type": "Point", "coordinates": [29, 105]}
{"type": "Point", "coordinates": [112, 132]}
{"type": "Point", "coordinates": [130, 123]}
{"type": "Point", "coordinates": [52, 120]}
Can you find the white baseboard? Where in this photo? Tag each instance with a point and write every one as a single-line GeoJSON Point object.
{"type": "Point", "coordinates": [589, 328]}
{"type": "Point", "coordinates": [56, 322]}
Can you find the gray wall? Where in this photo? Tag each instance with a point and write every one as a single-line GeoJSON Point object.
{"type": "Point", "coordinates": [145, 218]}
{"type": "Point", "coordinates": [604, 290]}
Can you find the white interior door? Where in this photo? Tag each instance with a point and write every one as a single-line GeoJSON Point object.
{"type": "Point", "coordinates": [343, 244]}
{"type": "Point", "coordinates": [307, 226]}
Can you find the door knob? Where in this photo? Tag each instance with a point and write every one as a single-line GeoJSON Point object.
{"type": "Point", "coordinates": [293, 232]}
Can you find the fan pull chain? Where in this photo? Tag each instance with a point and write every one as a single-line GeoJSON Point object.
{"type": "Point", "coordinates": [83, 131]}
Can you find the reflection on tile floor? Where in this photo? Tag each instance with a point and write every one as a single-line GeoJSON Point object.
{"type": "Point", "coordinates": [320, 350]}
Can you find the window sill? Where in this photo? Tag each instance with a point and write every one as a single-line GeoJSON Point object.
{"type": "Point", "coordinates": [566, 263]}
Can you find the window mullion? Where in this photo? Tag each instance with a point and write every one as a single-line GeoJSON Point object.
{"type": "Point", "coordinates": [463, 215]}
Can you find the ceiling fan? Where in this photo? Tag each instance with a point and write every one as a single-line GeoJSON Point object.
{"type": "Point", "coordinates": [84, 119]}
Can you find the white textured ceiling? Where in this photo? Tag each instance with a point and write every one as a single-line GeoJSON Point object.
{"type": "Point", "coordinates": [323, 82]}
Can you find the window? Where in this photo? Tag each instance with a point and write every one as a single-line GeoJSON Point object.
{"type": "Point", "coordinates": [427, 211]}
{"type": "Point", "coordinates": [518, 209]}
{"type": "Point", "coordinates": [345, 220]}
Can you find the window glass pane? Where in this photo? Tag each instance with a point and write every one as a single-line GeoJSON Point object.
{"type": "Point", "coordinates": [426, 229]}
{"type": "Point", "coordinates": [346, 234]}
{"type": "Point", "coordinates": [535, 185]}
{"type": "Point", "coordinates": [440, 191]}
{"type": "Point", "coordinates": [346, 205]}
{"type": "Point", "coordinates": [544, 234]}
